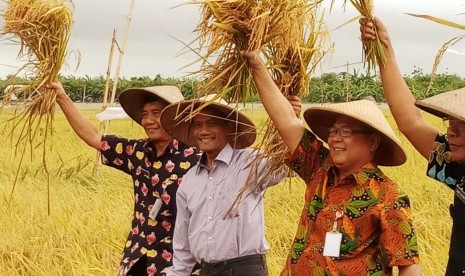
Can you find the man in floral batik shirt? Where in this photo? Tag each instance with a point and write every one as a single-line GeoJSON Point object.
{"type": "Point", "coordinates": [156, 165]}
{"type": "Point", "coordinates": [356, 220]}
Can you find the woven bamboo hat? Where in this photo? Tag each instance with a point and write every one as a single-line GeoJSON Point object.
{"type": "Point", "coordinates": [133, 100]}
{"type": "Point", "coordinates": [177, 117]}
{"type": "Point", "coordinates": [448, 104]}
{"type": "Point", "coordinates": [321, 118]}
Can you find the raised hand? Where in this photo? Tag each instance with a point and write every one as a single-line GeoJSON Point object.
{"type": "Point", "coordinates": [369, 28]}
{"type": "Point", "coordinates": [296, 103]}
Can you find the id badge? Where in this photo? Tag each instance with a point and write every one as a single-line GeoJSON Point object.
{"type": "Point", "coordinates": [332, 245]}
{"type": "Point", "coordinates": [155, 209]}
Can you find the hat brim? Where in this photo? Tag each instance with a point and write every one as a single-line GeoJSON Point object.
{"type": "Point", "coordinates": [133, 100]}
{"type": "Point", "coordinates": [389, 152]}
{"type": "Point", "coordinates": [447, 104]}
{"type": "Point", "coordinates": [176, 119]}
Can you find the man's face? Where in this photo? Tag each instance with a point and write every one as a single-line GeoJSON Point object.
{"type": "Point", "coordinates": [351, 145]}
{"type": "Point", "coordinates": [210, 132]}
{"type": "Point", "coordinates": [456, 137]}
{"type": "Point", "coordinates": [151, 122]}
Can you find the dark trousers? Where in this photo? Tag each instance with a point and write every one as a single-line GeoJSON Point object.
{"type": "Point", "coordinates": [455, 265]}
{"type": "Point", "coordinates": [252, 265]}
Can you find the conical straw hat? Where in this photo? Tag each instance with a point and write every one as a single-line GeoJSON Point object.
{"type": "Point", "coordinates": [321, 118]}
{"type": "Point", "coordinates": [133, 100]}
{"type": "Point", "coordinates": [448, 104]}
{"type": "Point", "coordinates": [176, 120]}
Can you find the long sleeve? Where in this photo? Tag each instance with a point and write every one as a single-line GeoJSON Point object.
{"type": "Point", "coordinates": [183, 261]}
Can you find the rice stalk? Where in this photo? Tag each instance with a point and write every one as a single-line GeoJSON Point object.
{"type": "Point", "coordinates": [227, 27]}
{"type": "Point", "coordinates": [373, 51]}
{"type": "Point", "coordinates": [444, 47]}
{"type": "Point", "coordinates": [292, 69]}
{"type": "Point", "coordinates": [287, 33]}
{"type": "Point", "coordinates": [42, 30]}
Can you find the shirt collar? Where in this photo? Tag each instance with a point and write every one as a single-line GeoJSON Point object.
{"type": "Point", "coordinates": [224, 156]}
{"type": "Point", "coordinates": [148, 146]}
{"type": "Point", "coordinates": [363, 174]}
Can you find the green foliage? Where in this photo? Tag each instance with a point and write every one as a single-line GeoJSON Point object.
{"type": "Point", "coordinates": [339, 87]}
{"type": "Point", "coordinates": [328, 87]}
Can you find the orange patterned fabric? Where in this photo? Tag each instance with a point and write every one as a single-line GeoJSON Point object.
{"type": "Point", "coordinates": [376, 226]}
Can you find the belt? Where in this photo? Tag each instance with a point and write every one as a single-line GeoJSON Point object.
{"type": "Point", "coordinates": [240, 261]}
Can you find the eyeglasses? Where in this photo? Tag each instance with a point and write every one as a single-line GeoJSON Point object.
{"type": "Point", "coordinates": [454, 124]}
{"type": "Point", "coordinates": [346, 131]}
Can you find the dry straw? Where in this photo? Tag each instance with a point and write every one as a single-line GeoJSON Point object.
{"type": "Point", "coordinates": [42, 29]}
{"type": "Point", "coordinates": [373, 51]}
{"type": "Point", "coordinates": [287, 33]}
{"type": "Point", "coordinates": [445, 46]}
{"type": "Point", "coordinates": [292, 67]}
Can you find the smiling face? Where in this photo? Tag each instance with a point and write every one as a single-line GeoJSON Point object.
{"type": "Point", "coordinates": [355, 149]}
{"type": "Point", "coordinates": [210, 132]}
{"type": "Point", "coordinates": [456, 137]}
{"type": "Point", "coordinates": [151, 121]}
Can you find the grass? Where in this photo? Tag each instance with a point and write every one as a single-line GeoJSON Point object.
{"type": "Point", "coordinates": [90, 216]}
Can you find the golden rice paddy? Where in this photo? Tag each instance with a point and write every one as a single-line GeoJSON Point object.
{"type": "Point", "coordinates": [90, 215]}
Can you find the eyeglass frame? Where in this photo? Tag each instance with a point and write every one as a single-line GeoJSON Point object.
{"type": "Point", "coordinates": [453, 124]}
{"type": "Point", "coordinates": [347, 133]}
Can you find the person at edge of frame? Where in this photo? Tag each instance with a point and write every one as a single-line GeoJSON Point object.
{"type": "Point", "coordinates": [445, 153]}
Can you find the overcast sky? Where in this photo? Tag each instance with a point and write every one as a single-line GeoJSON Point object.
{"type": "Point", "coordinates": [151, 50]}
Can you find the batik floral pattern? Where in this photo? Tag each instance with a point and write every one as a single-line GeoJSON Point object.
{"type": "Point", "coordinates": [154, 178]}
{"type": "Point", "coordinates": [376, 225]}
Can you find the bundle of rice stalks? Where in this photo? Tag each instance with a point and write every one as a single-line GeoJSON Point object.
{"type": "Point", "coordinates": [226, 27]}
{"type": "Point", "coordinates": [444, 47]}
{"type": "Point", "coordinates": [42, 29]}
{"type": "Point", "coordinates": [373, 51]}
{"type": "Point", "coordinates": [292, 68]}
{"type": "Point", "coordinates": [287, 33]}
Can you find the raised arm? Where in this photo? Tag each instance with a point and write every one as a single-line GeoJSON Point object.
{"type": "Point", "coordinates": [276, 105]}
{"type": "Point", "coordinates": [83, 127]}
{"type": "Point", "coordinates": [401, 101]}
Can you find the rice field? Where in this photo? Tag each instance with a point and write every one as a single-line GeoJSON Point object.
{"type": "Point", "coordinates": [90, 215]}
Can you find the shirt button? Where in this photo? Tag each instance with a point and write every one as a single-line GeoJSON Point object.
{"type": "Point", "coordinates": [209, 198]}
{"type": "Point", "coordinates": [209, 238]}
{"type": "Point", "coordinates": [209, 218]}
{"type": "Point", "coordinates": [210, 177]}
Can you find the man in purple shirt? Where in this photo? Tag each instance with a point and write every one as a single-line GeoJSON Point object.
{"type": "Point", "coordinates": [225, 243]}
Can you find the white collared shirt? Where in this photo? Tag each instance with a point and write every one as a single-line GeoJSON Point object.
{"type": "Point", "coordinates": [202, 232]}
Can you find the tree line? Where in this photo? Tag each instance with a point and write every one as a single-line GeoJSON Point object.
{"type": "Point", "coordinates": [328, 87]}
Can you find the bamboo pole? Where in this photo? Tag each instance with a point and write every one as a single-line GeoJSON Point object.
{"type": "Point", "coordinates": [120, 60]}
{"type": "Point", "coordinates": [347, 83]}
{"type": "Point", "coordinates": [110, 64]}
{"type": "Point", "coordinates": [115, 78]}
{"type": "Point", "coordinates": [98, 158]}
{"type": "Point", "coordinates": [84, 95]}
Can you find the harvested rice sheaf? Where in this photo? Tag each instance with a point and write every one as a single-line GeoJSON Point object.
{"type": "Point", "coordinates": [42, 28]}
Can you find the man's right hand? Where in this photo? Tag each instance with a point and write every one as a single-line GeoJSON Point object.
{"type": "Point", "coordinates": [368, 32]}
{"type": "Point", "coordinates": [59, 90]}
